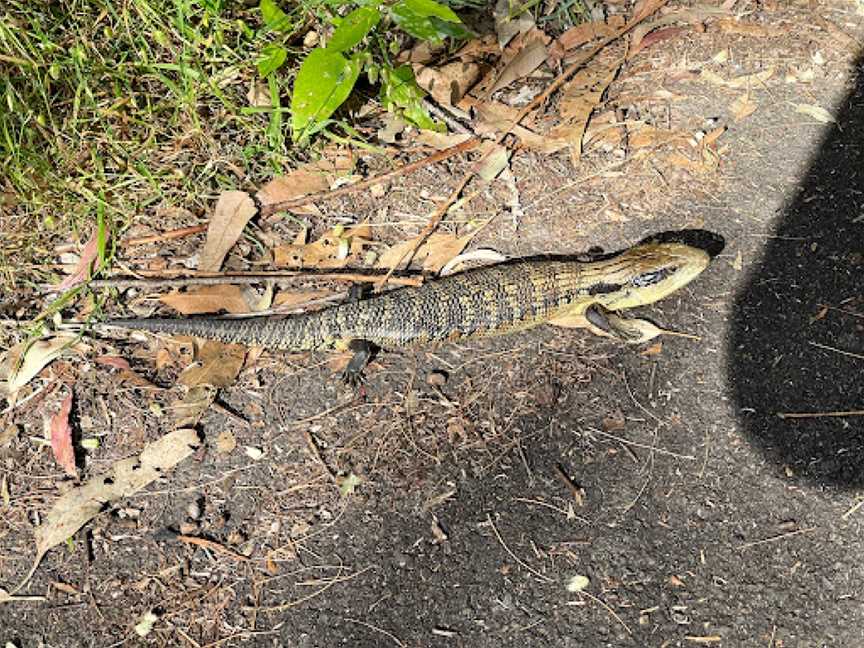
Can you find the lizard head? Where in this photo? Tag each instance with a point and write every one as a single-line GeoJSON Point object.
{"type": "Point", "coordinates": [647, 273]}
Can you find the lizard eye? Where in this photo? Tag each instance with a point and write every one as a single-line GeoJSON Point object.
{"type": "Point", "coordinates": [653, 277]}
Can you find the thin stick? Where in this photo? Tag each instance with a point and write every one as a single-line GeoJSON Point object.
{"type": "Point", "coordinates": [468, 145]}
{"type": "Point", "coordinates": [573, 488]}
{"type": "Point", "coordinates": [608, 609]}
{"type": "Point", "coordinates": [644, 446]}
{"type": "Point", "coordinates": [313, 448]}
{"type": "Point", "coordinates": [164, 236]}
{"type": "Point", "coordinates": [782, 536]}
{"type": "Point", "coordinates": [245, 278]}
{"type": "Point", "coordinates": [214, 546]}
{"type": "Point", "coordinates": [330, 583]}
{"type": "Point", "coordinates": [835, 350]}
{"type": "Point", "coordinates": [803, 415]}
{"type": "Point", "coordinates": [376, 629]}
{"type": "Point", "coordinates": [512, 555]}
{"type": "Point", "coordinates": [857, 505]}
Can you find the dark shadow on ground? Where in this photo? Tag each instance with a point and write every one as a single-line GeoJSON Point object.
{"type": "Point", "coordinates": [805, 295]}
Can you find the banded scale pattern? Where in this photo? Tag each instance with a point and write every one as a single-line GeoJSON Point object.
{"type": "Point", "coordinates": [494, 300]}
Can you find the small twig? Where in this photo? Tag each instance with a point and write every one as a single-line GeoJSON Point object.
{"type": "Point", "coordinates": [518, 560]}
{"type": "Point", "coordinates": [573, 488]}
{"type": "Point", "coordinates": [835, 350]}
{"type": "Point", "coordinates": [782, 536]}
{"type": "Point", "coordinates": [445, 115]}
{"type": "Point", "coordinates": [405, 169]}
{"type": "Point", "coordinates": [330, 583]}
{"type": "Point", "coordinates": [213, 546]}
{"type": "Point", "coordinates": [213, 279]}
{"type": "Point", "coordinates": [644, 446]}
{"type": "Point", "coordinates": [609, 610]}
{"type": "Point", "coordinates": [852, 509]}
{"type": "Point", "coordinates": [802, 415]}
{"type": "Point", "coordinates": [376, 629]}
{"type": "Point", "coordinates": [316, 453]}
{"type": "Point", "coordinates": [165, 236]}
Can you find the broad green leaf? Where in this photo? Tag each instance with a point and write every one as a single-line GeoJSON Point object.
{"type": "Point", "coordinates": [323, 83]}
{"type": "Point", "coordinates": [272, 57]}
{"type": "Point", "coordinates": [424, 19]}
{"type": "Point", "coordinates": [353, 28]}
{"type": "Point", "coordinates": [274, 17]}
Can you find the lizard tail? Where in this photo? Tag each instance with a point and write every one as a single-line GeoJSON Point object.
{"type": "Point", "coordinates": [253, 331]}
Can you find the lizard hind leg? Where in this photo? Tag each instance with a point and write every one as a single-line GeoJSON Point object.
{"type": "Point", "coordinates": [363, 350]}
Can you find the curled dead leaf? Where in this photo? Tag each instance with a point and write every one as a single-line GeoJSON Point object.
{"type": "Point", "coordinates": [61, 438]}
{"type": "Point", "coordinates": [24, 361]}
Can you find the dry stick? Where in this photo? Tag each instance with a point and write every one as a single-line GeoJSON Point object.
{"type": "Point", "coordinates": [214, 546]}
{"type": "Point", "coordinates": [803, 415]}
{"type": "Point", "coordinates": [609, 609]}
{"type": "Point", "coordinates": [781, 536]}
{"type": "Point", "coordinates": [468, 145]}
{"type": "Point", "coordinates": [849, 354]}
{"type": "Point", "coordinates": [213, 279]}
{"type": "Point", "coordinates": [164, 236]}
{"type": "Point", "coordinates": [560, 80]}
{"type": "Point", "coordinates": [514, 556]}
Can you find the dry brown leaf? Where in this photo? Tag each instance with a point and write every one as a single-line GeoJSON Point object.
{"type": "Point", "coordinates": [187, 411]}
{"type": "Point", "coordinates": [448, 83]}
{"type": "Point", "coordinates": [128, 476]}
{"type": "Point", "coordinates": [329, 251]}
{"type": "Point", "coordinates": [208, 299]}
{"type": "Point", "coordinates": [258, 95]}
{"type": "Point", "coordinates": [586, 32]}
{"type": "Point", "coordinates": [493, 117]}
{"type": "Point", "coordinates": [506, 27]}
{"type": "Point", "coordinates": [652, 37]}
{"type": "Point", "coordinates": [495, 159]}
{"type": "Point", "coordinates": [307, 179]}
{"type": "Point", "coordinates": [579, 99]}
{"type": "Point", "coordinates": [744, 82]}
{"type": "Point", "coordinates": [733, 26]}
{"type": "Point", "coordinates": [524, 63]}
{"type": "Point", "coordinates": [742, 107]}
{"type": "Point", "coordinates": [233, 210]}
{"type": "Point", "coordinates": [287, 300]}
{"type": "Point", "coordinates": [126, 372]}
{"type": "Point", "coordinates": [441, 141]}
{"type": "Point", "coordinates": [647, 136]}
{"type": "Point", "coordinates": [434, 253]}
{"type": "Point", "coordinates": [82, 269]}
{"type": "Point", "coordinates": [218, 365]}
{"type": "Point", "coordinates": [15, 372]}
{"type": "Point", "coordinates": [61, 438]}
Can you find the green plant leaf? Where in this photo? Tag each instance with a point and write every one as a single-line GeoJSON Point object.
{"type": "Point", "coordinates": [354, 28]}
{"type": "Point", "coordinates": [323, 83]}
{"type": "Point", "coordinates": [272, 57]}
{"type": "Point", "coordinates": [424, 19]}
{"type": "Point", "coordinates": [399, 90]}
{"type": "Point", "coordinates": [274, 17]}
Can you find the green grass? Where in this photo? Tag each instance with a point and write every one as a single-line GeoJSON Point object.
{"type": "Point", "coordinates": [124, 106]}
